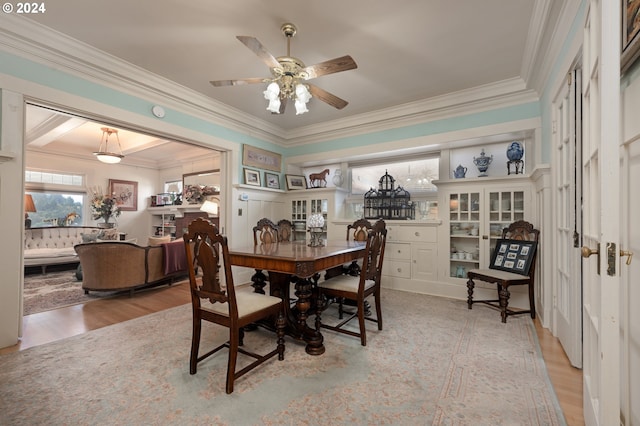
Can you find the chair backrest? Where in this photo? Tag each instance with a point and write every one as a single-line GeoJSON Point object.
{"type": "Point", "coordinates": [359, 230]}
{"type": "Point", "coordinates": [265, 232]}
{"type": "Point", "coordinates": [285, 230]}
{"type": "Point", "coordinates": [206, 249]}
{"type": "Point", "coordinates": [521, 230]}
{"type": "Point", "coordinates": [374, 253]}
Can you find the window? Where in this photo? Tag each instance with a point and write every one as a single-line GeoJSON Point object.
{"type": "Point", "coordinates": [59, 199]}
{"type": "Point", "coordinates": [414, 176]}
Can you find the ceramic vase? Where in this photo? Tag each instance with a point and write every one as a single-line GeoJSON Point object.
{"type": "Point", "coordinates": [515, 151]}
{"type": "Point", "coordinates": [482, 163]}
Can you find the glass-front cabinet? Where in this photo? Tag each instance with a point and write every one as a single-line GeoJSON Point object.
{"type": "Point", "coordinates": [476, 221]}
{"type": "Point", "coordinates": [302, 209]}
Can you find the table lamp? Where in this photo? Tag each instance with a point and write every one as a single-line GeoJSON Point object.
{"type": "Point", "coordinates": [29, 207]}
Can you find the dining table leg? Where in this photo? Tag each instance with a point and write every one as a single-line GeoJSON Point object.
{"type": "Point", "coordinates": [297, 318]}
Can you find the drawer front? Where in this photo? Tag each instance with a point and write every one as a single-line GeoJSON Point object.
{"type": "Point", "coordinates": [417, 234]}
{"type": "Point", "coordinates": [396, 268]}
{"type": "Point", "coordinates": [397, 251]}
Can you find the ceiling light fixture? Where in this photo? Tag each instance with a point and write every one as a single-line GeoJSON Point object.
{"type": "Point", "coordinates": [287, 81]}
{"type": "Point", "coordinates": [103, 153]}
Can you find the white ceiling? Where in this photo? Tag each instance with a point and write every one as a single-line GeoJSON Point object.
{"type": "Point", "coordinates": [407, 51]}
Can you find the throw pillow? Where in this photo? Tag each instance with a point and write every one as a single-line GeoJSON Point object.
{"type": "Point", "coordinates": [109, 234]}
{"type": "Point", "coordinates": [156, 241]}
{"type": "Point", "coordinates": [90, 237]}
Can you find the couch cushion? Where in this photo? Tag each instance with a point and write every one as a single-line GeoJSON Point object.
{"type": "Point", "coordinates": [90, 237]}
{"type": "Point", "coordinates": [156, 241]}
{"type": "Point", "coordinates": [109, 234]}
{"type": "Point", "coordinates": [49, 252]}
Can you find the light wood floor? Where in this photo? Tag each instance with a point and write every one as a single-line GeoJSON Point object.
{"type": "Point", "coordinates": [66, 322]}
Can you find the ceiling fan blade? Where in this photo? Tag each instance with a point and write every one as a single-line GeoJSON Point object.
{"type": "Point", "coordinates": [238, 82]}
{"type": "Point", "coordinates": [257, 48]}
{"type": "Point", "coordinates": [343, 63]}
{"type": "Point", "coordinates": [327, 97]}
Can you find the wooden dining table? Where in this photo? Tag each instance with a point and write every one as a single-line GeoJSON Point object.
{"type": "Point", "coordinates": [300, 263]}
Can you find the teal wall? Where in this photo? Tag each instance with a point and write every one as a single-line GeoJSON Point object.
{"type": "Point", "coordinates": [25, 69]}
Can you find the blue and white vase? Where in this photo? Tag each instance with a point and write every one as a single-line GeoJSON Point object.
{"type": "Point", "coordinates": [515, 151]}
{"type": "Point", "coordinates": [482, 163]}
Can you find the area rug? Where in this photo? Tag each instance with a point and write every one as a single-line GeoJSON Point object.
{"type": "Point", "coordinates": [435, 363]}
{"type": "Point", "coordinates": [53, 290]}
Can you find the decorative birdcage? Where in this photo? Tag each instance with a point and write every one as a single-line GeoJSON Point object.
{"type": "Point", "coordinates": [388, 202]}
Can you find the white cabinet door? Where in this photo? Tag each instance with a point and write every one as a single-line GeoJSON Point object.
{"type": "Point", "coordinates": [424, 265]}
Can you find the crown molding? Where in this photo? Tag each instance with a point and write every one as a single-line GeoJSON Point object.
{"type": "Point", "coordinates": [535, 36]}
{"type": "Point", "coordinates": [500, 94]}
{"type": "Point", "coordinates": [40, 44]}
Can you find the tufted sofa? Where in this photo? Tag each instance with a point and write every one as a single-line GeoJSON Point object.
{"type": "Point", "coordinates": [111, 266]}
{"type": "Point", "coordinates": [53, 245]}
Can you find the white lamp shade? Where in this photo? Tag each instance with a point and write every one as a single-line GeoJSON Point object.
{"type": "Point", "coordinates": [274, 106]}
{"type": "Point", "coordinates": [210, 207]}
{"type": "Point", "coordinates": [302, 93]}
{"type": "Point", "coordinates": [301, 107]}
{"type": "Point", "coordinates": [272, 92]}
{"type": "Point", "coordinates": [108, 157]}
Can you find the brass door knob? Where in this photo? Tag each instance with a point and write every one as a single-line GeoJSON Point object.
{"type": "Point", "coordinates": [586, 251]}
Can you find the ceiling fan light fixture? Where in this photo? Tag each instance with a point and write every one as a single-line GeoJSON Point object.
{"type": "Point", "coordinates": [103, 154]}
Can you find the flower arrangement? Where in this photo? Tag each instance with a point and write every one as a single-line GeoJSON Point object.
{"type": "Point", "coordinates": [103, 206]}
{"type": "Point", "coordinates": [196, 194]}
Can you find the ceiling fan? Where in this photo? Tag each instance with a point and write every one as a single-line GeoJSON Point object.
{"type": "Point", "coordinates": [290, 75]}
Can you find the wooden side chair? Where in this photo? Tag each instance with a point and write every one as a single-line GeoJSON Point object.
{"type": "Point", "coordinates": [265, 232]}
{"type": "Point", "coordinates": [358, 288]}
{"type": "Point", "coordinates": [206, 249]}
{"type": "Point", "coordinates": [285, 230]}
{"type": "Point", "coordinates": [518, 231]}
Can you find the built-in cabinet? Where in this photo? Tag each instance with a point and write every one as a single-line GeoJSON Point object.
{"type": "Point", "coordinates": [477, 214]}
{"type": "Point", "coordinates": [411, 255]}
{"type": "Point", "coordinates": [163, 224]}
{"type": "Point", "coordinates": [328, 202]}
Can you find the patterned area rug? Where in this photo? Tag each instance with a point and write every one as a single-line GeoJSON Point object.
{"type": "Point", "coordinates": [55, 290]}
{"type": "Point", "coordinates": [435, 363]}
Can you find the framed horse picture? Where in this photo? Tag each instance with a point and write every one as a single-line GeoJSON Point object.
{"type": "Point", "coordinates": [296, 182]}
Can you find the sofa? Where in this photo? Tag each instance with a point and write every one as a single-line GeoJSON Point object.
{"type": "Point", "coordinates": [115, 266]}
{"type": "Point", "coordinates": [54, 245]}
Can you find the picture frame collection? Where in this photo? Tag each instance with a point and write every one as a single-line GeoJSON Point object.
{"type": "Point", "coordinates": [513, 256]}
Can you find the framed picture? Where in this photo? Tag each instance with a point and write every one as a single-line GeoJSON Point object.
{"type": "Point", "coordinates": [513, 256]}
{"type": "Point", "coordinates": [272, 180]}
{"type": "Point", "coordinates": [630, 33]}
{"type": "Point", "coordinates": [296, 182]}
{"type": "Point", "coordinates": [256, 157]}
{"type": "Point", "coordinates": [126, 193]}
{"type": "Point", "coordinates": [163, 199]}
{"type": "Point", "coordinates": [252, 177]}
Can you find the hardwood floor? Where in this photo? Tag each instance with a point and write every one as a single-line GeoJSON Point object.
{"type": "Point", "coordinates": [58, 324]}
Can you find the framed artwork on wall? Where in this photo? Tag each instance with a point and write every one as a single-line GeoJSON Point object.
{"type": "Point", "coordinates": [272, 180]}
{"type": "Point", "coordinates": [296, 182]}
{"type": "Point", "coordinates": [260, 158]}
{"type": "Point", "coordinates": [252, 177]}
{"type": "Point", "coordinates": [513, 256]}
{"type": "Point", "coordinates": [630, 33]}
{"type": "Point", "coordinates": [126, 194]}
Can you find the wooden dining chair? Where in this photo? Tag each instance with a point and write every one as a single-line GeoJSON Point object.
{"type": "Point", "coordinates": [517, 231]}
{"type": "Point", "coordinates": [265, 232]}
{"type": "Point", "coordinates": [207, 251]}
{"type": "Point", "coordinates": [358, 288]}
{"type": "Point", "coordinates": [285, 230]}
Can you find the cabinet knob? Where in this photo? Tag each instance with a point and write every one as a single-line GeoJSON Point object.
{"type": "Point", "coordinates": [417, 234]}
{"type": "Point", "coordinates": [399, 269]}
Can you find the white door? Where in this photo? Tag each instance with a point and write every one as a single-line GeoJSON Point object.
{"type": "Point", "coordinates": [630, 241]}
{"type": "Point", "coordinates": [567, 291]}
{"type": "Point", "coordinates": [601, 214]}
